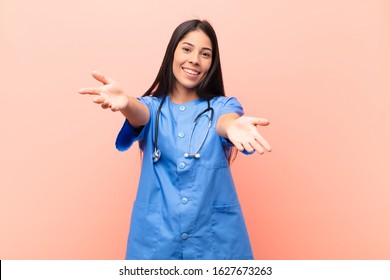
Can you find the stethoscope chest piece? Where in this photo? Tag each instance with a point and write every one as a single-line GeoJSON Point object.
{"type": "Point", "coordinates": [156, 155]}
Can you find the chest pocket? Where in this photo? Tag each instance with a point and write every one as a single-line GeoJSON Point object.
{"type": "Point", "coordinates": [212, 152]}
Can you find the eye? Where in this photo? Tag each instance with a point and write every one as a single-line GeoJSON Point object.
{"type": "Point", "coordinates": [186, 49]}
{"type": "Point", "coordinates": [206, 54]}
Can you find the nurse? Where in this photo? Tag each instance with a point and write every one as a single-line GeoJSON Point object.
{"type": "Point", "coordinates": [188, 131]}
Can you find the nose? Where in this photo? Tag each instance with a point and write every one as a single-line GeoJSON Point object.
{"type": "Point", "coordinates": [194, 59]}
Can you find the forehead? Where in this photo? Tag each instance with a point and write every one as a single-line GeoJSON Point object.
{"type": "Point", "coordinates": [197, 38]}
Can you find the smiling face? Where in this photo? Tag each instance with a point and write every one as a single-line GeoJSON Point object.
{"type": "Point", "coordinates": [191, 62]}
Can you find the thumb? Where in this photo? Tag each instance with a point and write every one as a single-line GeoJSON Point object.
{"type": "Point", "coordinates": [101, 78]}
{"type": "Point", "coordinates": [260, 121]}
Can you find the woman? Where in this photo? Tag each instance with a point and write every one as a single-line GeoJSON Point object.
{"type": "Point", "coordinates": [186, 205]}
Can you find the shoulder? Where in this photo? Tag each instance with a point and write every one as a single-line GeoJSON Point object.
{"type": "Point", "coordinates": [149, 99]}
{"type": "Point", "coordinates": [226, 100]}
{"type": "Point", "coordinates": [151, 102]}
{"type": "Point", "coordinates": [226, 104]}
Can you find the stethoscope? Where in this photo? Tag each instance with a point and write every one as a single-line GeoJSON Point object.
{"type": "Point", "coordinates": [157, 153]}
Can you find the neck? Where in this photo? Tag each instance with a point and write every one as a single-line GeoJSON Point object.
{"type": "Point", "coordinates": [183, 96]}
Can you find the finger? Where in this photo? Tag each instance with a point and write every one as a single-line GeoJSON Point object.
{"type": "Point", "coordinates": [114, 109]}
{"type": "Point", "coordinates": [239, 146]}
{"type": "Point", "coordinates": [256, 146]}
{"type": "Point", "coordinates": [248, 147]}
{"type": "Point", "coordinates": [92, 91]}
{"type": "Point", "coordinates": [263, 142]}
{"type": "Point", "coordinates": [99, 100]}
{"type": "Point", "coordinates": [107, 103]}
{"type": "Point", "coordinates": [260, 121]}
{"type": "Point", "coordinates": [105, 106]}
{"type": "Point", "coordinates": [101, 78]}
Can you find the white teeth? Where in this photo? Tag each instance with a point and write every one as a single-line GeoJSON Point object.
{"type": "Point", "coordinates": [192, 72]}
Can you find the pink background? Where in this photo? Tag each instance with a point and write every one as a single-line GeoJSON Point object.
{"type": "Point", "coordinates": [318, 70]}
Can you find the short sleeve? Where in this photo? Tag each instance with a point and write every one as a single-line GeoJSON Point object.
{"type": "Point", "coordinates": [128, 133]}
{"type": "Point", "coordinates": [231, 105]}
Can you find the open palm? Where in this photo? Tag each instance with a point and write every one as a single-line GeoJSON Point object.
{"type": "Point", "coordinates": [109, 95]}
{"type": "Point", "coordinates": [243, 133]}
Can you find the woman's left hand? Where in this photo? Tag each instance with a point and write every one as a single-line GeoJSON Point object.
{"type": "Point", "coordinates": [243, 133]}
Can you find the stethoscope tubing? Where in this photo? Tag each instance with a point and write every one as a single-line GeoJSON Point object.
{"type": "Point", "coordinates": [157, 153]}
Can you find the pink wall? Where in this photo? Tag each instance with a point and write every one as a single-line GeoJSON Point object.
{"type": "Point", "coordinates": [318, 70]}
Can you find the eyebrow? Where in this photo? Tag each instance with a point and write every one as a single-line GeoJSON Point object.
{"type": "Point", "coordinates": [192, 45]}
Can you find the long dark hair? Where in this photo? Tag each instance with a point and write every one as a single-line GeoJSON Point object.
{"type": "Point", "coordinates": [211, 86]}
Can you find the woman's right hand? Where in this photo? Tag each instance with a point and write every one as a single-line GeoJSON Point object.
{"type": "Point", "coordinates": [109, 95]}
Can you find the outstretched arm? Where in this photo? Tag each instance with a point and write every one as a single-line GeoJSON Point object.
{"type": "Point", "coordinates": [243, 133]}
{"type": "Point", "coordinates": [111, 96]}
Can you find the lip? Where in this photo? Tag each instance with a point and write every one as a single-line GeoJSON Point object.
{"type": "Point", "coordinates": [191, 72]}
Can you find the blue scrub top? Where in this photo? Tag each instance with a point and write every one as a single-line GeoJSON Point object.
{"type": "Point", "coordinates": [185, 208]}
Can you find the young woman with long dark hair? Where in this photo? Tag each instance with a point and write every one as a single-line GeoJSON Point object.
{"type": "Point", "coordinates": [186, 205]}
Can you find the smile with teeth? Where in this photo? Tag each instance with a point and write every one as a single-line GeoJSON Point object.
{"type": "Point", "coordinates": [191, 72]}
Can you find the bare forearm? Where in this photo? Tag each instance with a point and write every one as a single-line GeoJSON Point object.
{"type": "Point", "coordinates": [136, 112]}
{"type": "Point", "coordinates": [224, 122]}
